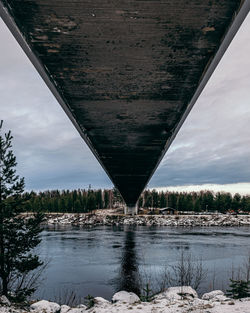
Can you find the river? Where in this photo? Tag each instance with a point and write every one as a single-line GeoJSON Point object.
{"type": "Point", "coordinates": [102, 260]}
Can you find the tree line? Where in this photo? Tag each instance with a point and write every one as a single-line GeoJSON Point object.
{"type": "Point", "coordinates": [196, 201]}
{"type": "Point", "coordinates": [75, 201]}
{"type": "Point", "coordinates": [83, 201]}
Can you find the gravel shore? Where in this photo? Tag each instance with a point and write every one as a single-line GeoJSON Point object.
{"type": "Point", "coordinates": [173, 300]}
{"type": "Point", "coordinates": [109, 219]}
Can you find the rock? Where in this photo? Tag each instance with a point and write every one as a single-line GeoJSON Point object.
{"type": "Point", "coordinates": [77, 310]}
{"type": "Point", "coordinates": [178, 293]}
{"type": "Point", "coordinates": [45, 307]}
{"type": "Point", "coordinates": [81, 306]}
{"type": "Point", "coordinates": [245, 299]}
{"type": "Point", "coordinates": [100, 301]}
{"type": "Point", "coordinates": [124, 296]}
{"type": "Point", "coordinates": [4, 300]}
{"type": "Point", "coordinates": [7, 309]}
{"type": "Point", "coordinates": [64, 308]}
{"type": "Point", "coordinates": [212, 294]}
{"type": "Point", "coordinates": [194, 305]}
{"type": "Point", "coordinates": [199, 302]}
{"type": "Point", "coordinates": [208, 306]}
{"type": "Point", "coordinates": [221, 298]}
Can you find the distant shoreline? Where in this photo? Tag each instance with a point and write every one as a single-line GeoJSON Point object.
{"type": "Point", "coordinates": [102, 217]}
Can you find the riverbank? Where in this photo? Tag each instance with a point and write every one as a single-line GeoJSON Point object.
{"type": "Point", "coordinates": [108, 218]}
{"type": "Point", "coordinates": [173, 300]}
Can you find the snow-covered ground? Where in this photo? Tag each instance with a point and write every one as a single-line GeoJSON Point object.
{"type": "Point", "coordinates": [107, 218]}
{"type": "Point", "coordinates": [173, 300]}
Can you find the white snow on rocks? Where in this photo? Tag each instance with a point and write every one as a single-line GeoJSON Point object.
{"type": "Point", "coordinates": [126, 297]}
{"type": "Point", "coordinates": [77, 310]}
{"type": "Point", "coordinates": [216, 295]}
{"type": "Point", "coordinates": [173, 300]}
{"type": "Point", "coordinates": [178, 293]}
{"type": "Point", "coordinates": [65, 308]}
{"type": "Point", "coordinates": [45, 306]}
{"type": "Point", "coordinates": [4, 300]}
{"type": "Point", "coordinates": [106, 218]}
{"type": "Point", "coordinates": [99, 301]}
{"type": "Point", "coordinates": [212, 294]}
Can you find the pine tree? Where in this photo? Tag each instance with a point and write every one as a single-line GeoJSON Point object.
{"type": "Point", "coordinates": [17, 236]}
{"type": "Point", "coordinates": [163, 201]}
{"type": "Point", "coordinates": [239, 289]}
{"type": "Point", "coordinates": [91, 203]}
{"type": "Point", "coordinates": [99, 201]}
{"type": "Point", "coordinates": [106, 199]}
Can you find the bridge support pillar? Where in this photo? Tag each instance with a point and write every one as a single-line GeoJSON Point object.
{"type": "Point", "coordinates": [131, 210]}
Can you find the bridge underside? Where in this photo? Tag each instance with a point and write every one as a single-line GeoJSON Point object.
{"type": "Point", "coordinates": [126, 72]}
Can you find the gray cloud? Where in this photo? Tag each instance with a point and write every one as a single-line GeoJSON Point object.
{"type": "Point", "coordinates": [212, 146]}
{"type": "Point", "coordinates": [49, 150]}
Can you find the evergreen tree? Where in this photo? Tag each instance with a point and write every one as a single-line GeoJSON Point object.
{"type": "Point", "coordinates": [163, 201]}
{"type": "Point", "coordinates": [148, 200]}
{"type": "Point", "coordinates": [91, 202]}
{"type": "Point", "coordinates": [106, 199]}
{"type": "Point", "coordinates": [172, 200]}
{"type": "Point", "coordinates": [99, 201]}
{"type": "Point", "coordinates": [17, 236]}
{"type": "Point", "coordinates": [197, 205]}
{"type": "Point", "coordinates": [239, 289]}
{"type": "Point", "coordinates": [155, 198]}
{"type": "Point", "coordinates": [78, 208]}
{"type": "Point", "coordinates": [236, 202]}
{"type": "Point", "coordinates": [140, 202]}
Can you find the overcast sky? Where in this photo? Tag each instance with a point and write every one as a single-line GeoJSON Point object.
{"type": "Point", "coordinates": [213, 146]}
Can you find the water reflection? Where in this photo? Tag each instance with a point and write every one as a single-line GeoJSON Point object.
{"type": "Point", "coordinates": [128, 276]}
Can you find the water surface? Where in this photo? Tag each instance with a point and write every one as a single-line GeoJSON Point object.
{"type": "Point", "coordinates": [102, 260]}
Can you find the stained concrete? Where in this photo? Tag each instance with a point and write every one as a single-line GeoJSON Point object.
{"type": "Point", "coordinates": [125, 70]}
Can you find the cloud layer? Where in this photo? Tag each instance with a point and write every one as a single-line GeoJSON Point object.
{"type": "Point", "coordinates": [213, 146]}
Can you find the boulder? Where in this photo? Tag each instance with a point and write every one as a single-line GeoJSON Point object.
{"type": "Point", "coordinates": [64, 308]}
{"type": "Point", "coordinates": [178, 293]}
{"type": "Point", "coordinates": [221, 298]}
{"type": "Point", "coordinates": [212, 294]}
{"type": "Point", "coordinates": [4, 300]}
{"type": "Point", "coordinates": [81, 306]}
{"type": "Point", "coordinates": [199, 302]}
{"type": "Point", "coordinates": [6, 309]}
{"type": "Point", "coordinates": [45, 307]}
{"type": "Point", "coordinates": [78, 310]}
{"type": "Point", "coordinates": [245, 299]}
{"type": "Point", "coordinates": [126, 297]}
{"type": "Point", "coordinates": [99, 301]}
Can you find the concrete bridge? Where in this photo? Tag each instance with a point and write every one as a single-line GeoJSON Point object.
{"type": "Point", "coordinates": [127, 73]}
